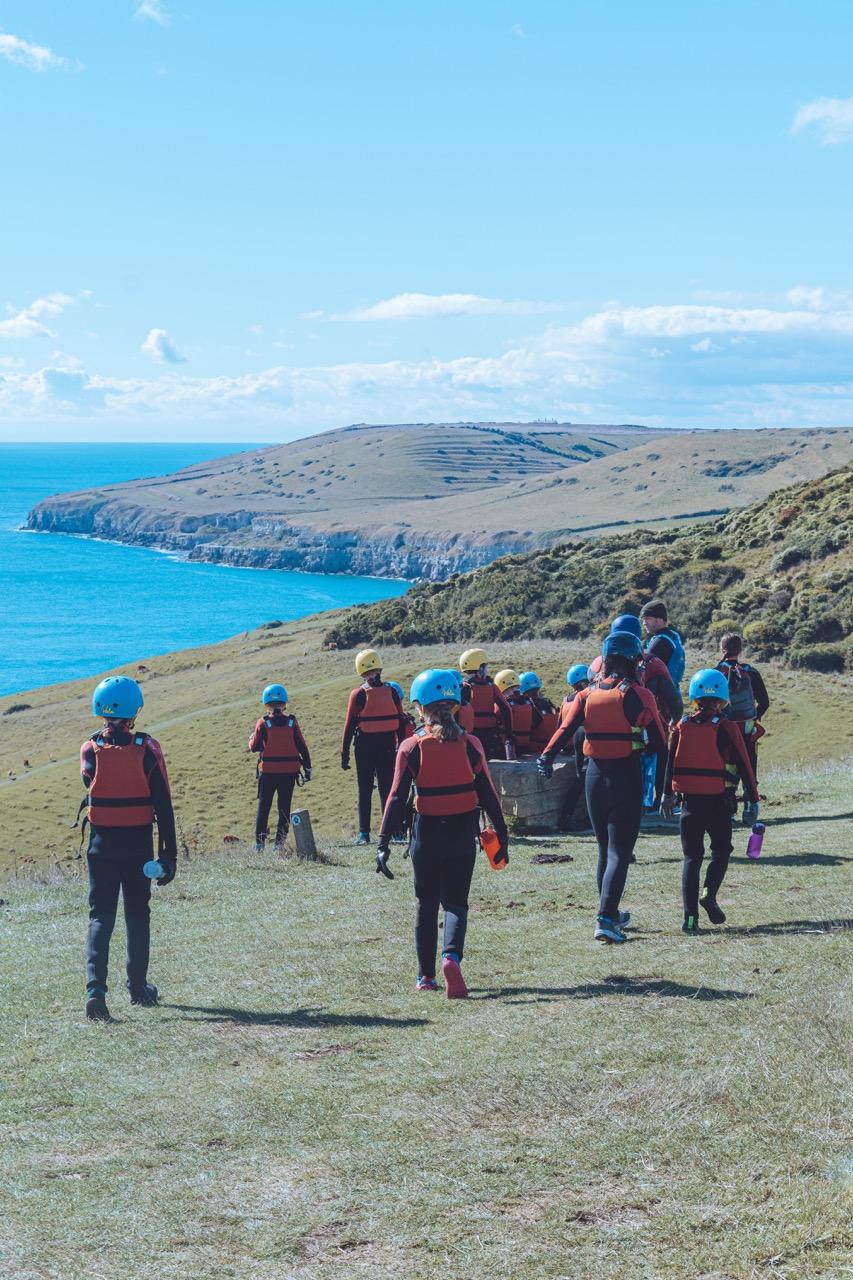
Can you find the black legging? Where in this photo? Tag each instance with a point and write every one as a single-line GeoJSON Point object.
{"type": "Point", "coordinates": [444, 851]}
{"type": "Point", "coordinates": [701, 815]}
{"type": "Point", "coordinates": [614, 798]}
{"type": "Point", "coordinates": [115, 858]}
{"type": "Point", "coordinates": [375, 754]}
{"type": "Point", "coordinates": [577, 786]}
{"type": "Point", "coordinates": [270, 785]}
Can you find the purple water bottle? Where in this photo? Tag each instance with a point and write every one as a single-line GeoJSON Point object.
{"type": "Point", "coordinates": [753, 849]}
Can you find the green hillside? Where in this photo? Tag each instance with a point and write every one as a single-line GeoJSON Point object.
{"type": "Point", "coordinates": [779, 570]}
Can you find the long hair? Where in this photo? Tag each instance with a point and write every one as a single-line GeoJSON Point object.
{"type": "Point", "coordinates": [621, 667]}
{"type": "Point", "coordinates": [442, 723]}
{"type": "Point", "coordinates": [731, 644]}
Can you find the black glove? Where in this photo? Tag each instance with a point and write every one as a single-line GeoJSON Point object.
{"type": "Point", "coordinates": [169, 863]}
{"type": "Point", "coordinates": [382, 855]}
{"type": "Point", "coordinates": [503, 856]}
{"type": "Point", "coordinates": [545, 767]}
{"type": "Point", "coordinates": [731, 801]}
{"type": "Point", "coordinates": [306, 774]}
{"type": "Point", "coordinates": [344, 759]}
{"type": "Point", "coordinates": [667, 807]}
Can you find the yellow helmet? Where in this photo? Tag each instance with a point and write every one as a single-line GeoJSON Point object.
{"type": "Point", "coordinates": [506, 679]}
{"type": "Point", "coordinates": [367, 660]}
{"type": "Point", "coordinates": [472, 659]}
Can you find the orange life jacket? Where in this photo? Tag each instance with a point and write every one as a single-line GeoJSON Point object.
{"type": "Point", "coordinates": [521, 718]}
{"type": "Point", "coordinates": [409, 726]}
{"type": "Point", "coordinates": [609, 733]}
{"type": "Point", "coordinates": [465, 716]}
{"type": "Point", "coordinates": [483, 702]}
{"type": "Point", "coordinates": [445, 782]}
{"type": "Point", "coordinates": [544, 732]}
{"type": "Point", "coordinates": [280, 754]}
{"type": "Point", "coordinates": [120, 794]}
{"type": "Point", "coordinates": [699, 769]}
{"type": "Point", "coordinates": [379, 713]}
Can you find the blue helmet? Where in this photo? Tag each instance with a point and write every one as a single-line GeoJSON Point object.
{"type": "Point", "coordinates": [117, 698]}
{"type": "Point", "coordinates": [709, 683]}
{"type": "Point", "coordinates": [436, 686]}
{"type": "Point", "coordinates": [627, 622]}
{"type": "Point", "coordinates": [574, 675]}
{"type": "Point", "coordinates": [398, 688]}
{"type": "Point", "coordinates": [274, 693]}
{"type": "Point", "coordinates": [529, 680]}
{"type": "Point", "coordinates": [624, 643]}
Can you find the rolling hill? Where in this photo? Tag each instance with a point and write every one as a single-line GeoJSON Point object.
{"type": "Point", "coordinates": [425, 501]}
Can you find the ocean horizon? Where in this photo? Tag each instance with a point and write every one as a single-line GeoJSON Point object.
{"type": "Point", "coordinates": [78, 606]}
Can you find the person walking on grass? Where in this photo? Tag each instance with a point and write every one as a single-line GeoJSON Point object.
{"type": "Point", "coordinates": [447, 768]}
{"type": "Point", "coordinates": [127, 786]}
{"type": "Point", "coordinates": [375, 723]}
{"type": "Point", "coordinates": [278, 741]}
{"type": "Point", "coordinates": [748, 702]}
{"type": "Point", "coordinates": [707, 755]}
{"type": "Point", "coordinates": [621, 720]}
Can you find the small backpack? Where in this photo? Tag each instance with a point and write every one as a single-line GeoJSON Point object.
{"type": "Point", "coordinates": [741, 693]}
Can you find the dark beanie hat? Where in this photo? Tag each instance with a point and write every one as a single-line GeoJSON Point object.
{"type": "Point", "coordinates": [654, 609]}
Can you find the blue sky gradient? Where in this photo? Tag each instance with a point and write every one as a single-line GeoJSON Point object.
{"type": "Point", "coordinates": [270, 218]}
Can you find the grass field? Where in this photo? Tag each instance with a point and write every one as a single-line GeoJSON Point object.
{"type": "Point", "coordinates": [672, 1108]}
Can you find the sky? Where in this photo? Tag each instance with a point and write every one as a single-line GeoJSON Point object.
{"type": "Point", "coordinates": [257, 220]}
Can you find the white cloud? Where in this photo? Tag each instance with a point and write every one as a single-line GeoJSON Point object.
{"type": "Point", "coordinates": [29, 322]}
{"type": "Point", "coordinates": [830, 118]}
{"type": "Point", "coordinates": [704, 346]}
{"type": "Point", "coordinates": [803, 295]}
{"type": "Point", "coordinates": [433, 306]}
{"type": "Point", "coordinates": [35, 57]}
{"type": "Point", "coordinates": [153, 11]}
{"type": "Point", "coordinates": [518, 30]}
{"type": "Point", "coordinates": [160, 347]}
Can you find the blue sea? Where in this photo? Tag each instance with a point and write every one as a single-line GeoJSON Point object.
{"type": "Point", "coordinates": [73, 607]}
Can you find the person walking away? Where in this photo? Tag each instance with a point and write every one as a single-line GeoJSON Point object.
{"type": "Point", "coordinates": [127, 785]}
{"type": "Point", "coordinates": [449, 772]}
{"type": "Point", "coordinates": [748, 702]}
{"type": "Point", "coordinates": [707, 754]}
{"type": "Point", "coordinates": [524, 717]}
{"type": "Point", "coordinates": [621, 720]}
{"type": "Point", "coordinates": [374, 724]}
{"type": "Point", "coordinates": [549, 717]}
{"type": "Point", "coordinates": [577, 678]}
{"type": "Point", "coordinates": [282, 750]}
{"type": "Point", "coordinates": [492, 719]}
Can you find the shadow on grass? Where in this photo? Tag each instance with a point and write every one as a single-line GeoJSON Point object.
{"type": "Point", "coordinates": [818, 817]}
{"type": "Point", "coordinates": [780, 927]}
{"type": "Point", "coordinates": [796, 859]}
{"type": "Point", "coordinates": [614, 986]}
{"type": "Point", "coordinates": [297, 1018]}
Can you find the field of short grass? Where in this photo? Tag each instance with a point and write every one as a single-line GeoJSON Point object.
{"type": "Point", "coordinates": [671, 1108]}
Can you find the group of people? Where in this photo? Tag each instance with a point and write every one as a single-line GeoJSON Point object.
{"type": "Point", "coordinates": [622, 720]}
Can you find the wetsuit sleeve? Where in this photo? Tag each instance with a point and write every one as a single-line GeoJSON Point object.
{"type": "Point", "coordinates": [670, 760]}
{"type": "Point", "coordinates": [504, 713]}
{"type": "Point", "coordinates": [258, 740]}
{"type": "Point", "coordinates": [759, 690]}
{"type": "Point", "coordinates": [161, 798]}
{"type": "Point", "coordinates": [661, 647]}
{"type": "Point", "coordinates": [537, 717]}
{"type": "Point", "coordinates": [732, 747]}
{"type": "Point", "coordinates": [405, 772]}
{"type": "Point", "coordinates": [301, 746]}
{"type": "Point", "coordinates": [580, 757]}
{"type": "Point", "coordinates": [486, 794]}
{"type": "Point", "coordinates": [642, 711]}
{"type": "Point", "coordinates": [401, 722]}
{"type": "Point", "coordinates": [566, 731]}
{"type": "Point", "coordinates": [663, 687]}
{"type": "Point", "coordinates": [355, 707]}
{"type": "Point", "coordinates": [87, 763]}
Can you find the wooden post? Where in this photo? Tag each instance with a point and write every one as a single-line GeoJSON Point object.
{"type": "Point", "coordinates": [303, 835]}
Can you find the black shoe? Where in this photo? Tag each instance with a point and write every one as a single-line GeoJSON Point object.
{"type": "Point", "coordinates": [690, 925]}
{"type": "Point", "coordinates": [712, 908]}
{"type": "Point", "coordinates": [96, 1007]}
{"type": "Point", "coordinates": [147, 996]}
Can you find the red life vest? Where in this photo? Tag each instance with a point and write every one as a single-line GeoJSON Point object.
{"type": "Point", "coordinates": [521, 718]}
{"type": "Point", "coordinates": [280, 754]}
{"type": "Point", "coordinates": [465, 716]}
{"type": "Point", "coordinates": [379, 713]}
{"type": "Point", "coordinates": [120, 793]}
{"type": "Point", "coordinates": [699, 769]}
{"type": "Point", "coordinates": [409, 726]}
{"type": "Point", "coordinates": [544, 732]}
{"type": "Point", "coordinates": [483, 702]}
{"type": "Point", "coordinates": [445, 782]}
{"type": "Point", "coordinates": [609, 733]}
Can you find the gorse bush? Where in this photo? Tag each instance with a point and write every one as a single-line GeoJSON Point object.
{"type": "Point", "coordinates": [778, 571]}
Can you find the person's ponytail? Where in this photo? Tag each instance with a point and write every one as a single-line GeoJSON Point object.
{"type": "Point", "coordinates": [442, 723]}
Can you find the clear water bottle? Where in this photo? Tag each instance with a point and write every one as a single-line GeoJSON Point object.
{"type": "Point", "coordinates": [753, 849]}
{"type": "Point", "coordinates": [153, 869]}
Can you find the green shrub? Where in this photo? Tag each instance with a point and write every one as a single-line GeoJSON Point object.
{"type": "Point", "coordinates": [818, 657]}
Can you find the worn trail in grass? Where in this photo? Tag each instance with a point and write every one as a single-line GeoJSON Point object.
{"type": "Point", "coordinates": [674, 1107]}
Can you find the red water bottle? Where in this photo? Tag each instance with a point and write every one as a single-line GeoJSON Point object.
{"type": "Point", "coordinates": [491, 846]}
{"type": "Point", "coordinates": [753, 849]}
